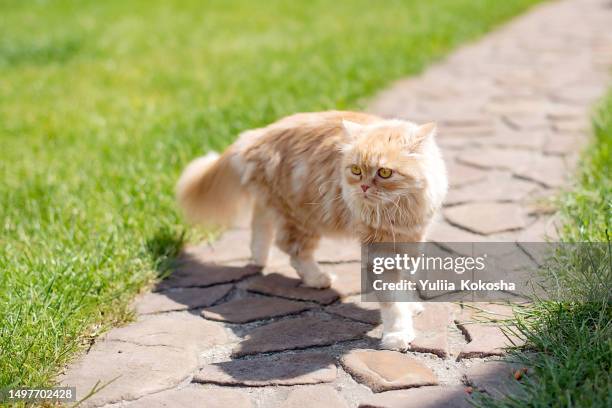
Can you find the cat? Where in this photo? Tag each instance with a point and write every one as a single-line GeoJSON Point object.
{"type": "Point", "coordinates": [317, 174]}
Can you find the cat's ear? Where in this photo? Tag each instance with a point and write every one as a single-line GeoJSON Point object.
{"type": "Point", "coordinates": [351, 128]}
{"type": "Point", "coordinates": [425, 132]}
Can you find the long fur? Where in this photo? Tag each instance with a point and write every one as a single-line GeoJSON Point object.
{"type": "Point", "coordinates": [209, 190]}
{"type": "Point", "coordinates": [318, 174]}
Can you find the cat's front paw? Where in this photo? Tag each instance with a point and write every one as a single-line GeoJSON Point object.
{"type": "Point", "coordinates": [318, 281]}
{"type": "Point", "coordinates": [397, 340]}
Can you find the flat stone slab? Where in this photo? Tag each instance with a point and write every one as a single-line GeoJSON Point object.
{"type": "Point", "coordinates": [547, 170]}
{"type": "Point", "coordinates": [460, 175]}
{"type": "Point", "coordinates": [496, 188]}
{"type": "Point", "coordinates": [544, 228]}
{"type": "Point", "coordinates": [550, 171]}
{"type": "Point", "coordinates": [354, 309]}
{"type": "Point", "coordinates": [277, 284]}
{"type": "Point", "coordinates": [283, 369]}
{"type": "Point", "coordinates": [315, 396]}
{"type": "Point", "coordinates": [442, 231]}
{"type": "Point", "coordinates": [487, 218]}
{"type": "Point", "coordinates": [498, 158]}
{"type": "Point", "coordinates": [176, 330]}
{"type": "Point", "coordinates": [188, 396]}
{"type": "Point", "coordinates": [193, 273]}
{"type": "Point", "coordinates": [424, 397]}
{"type": "Point", "coordinates": [180, 299]}
{"type": "Point", "coordinates": [250, 309]}
{"type": "Point", "coordinates": [496, 378]}
{"type": "Point", "coordinates": [331, 250]}
{"type": "Point", "coordinates": [299, 333]}
{"type": "Point", "coordinates": [384, 370]}
{"type": "Point", "coordinates": [347, 282]}
{"type": "Point", "coordinates": [431, 327]}
{"type": "Point", "coordinates": [232, 245]}
{"type": "Point", "coordinates": [483, 330]}
{"type": "Point", "coordinates": [130, 370]}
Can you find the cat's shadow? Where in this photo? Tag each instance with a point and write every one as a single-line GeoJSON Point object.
{"type": "Point", "coordinates": [319, 313]}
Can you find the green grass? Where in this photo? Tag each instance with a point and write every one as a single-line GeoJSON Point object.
{"type": "Point", "coordinates": [571, 341]}
{"type": "Point", "coordinates": [103, 102]}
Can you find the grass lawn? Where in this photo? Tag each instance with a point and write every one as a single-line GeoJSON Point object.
{"type": "Point", "coordinates": [103, 102]}
{"type": "Point", "coordinates": [571, 362]}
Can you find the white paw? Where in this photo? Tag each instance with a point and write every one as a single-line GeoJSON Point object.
{"type": "Point", "coordinates": [397, 340]}
{"type": "Point", "coordinates": [257, 262]}
{"type": "Point", "coordinates": [319, 281]}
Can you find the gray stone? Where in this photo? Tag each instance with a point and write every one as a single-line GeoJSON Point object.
{"type": "Point", "coordinates": [232, 245]}
{"type": "Point", "coordinates": [485, 329]}
{"type": "Point", "coordinates": [280, 369]}
{"type": "Point", "coordinates": [191, 395]}
{"type": "Point", "coordinates": [424, 397]}
{"type": "Point", "coordinates": [250, 309]}
{"type": "Point", "coordinates": [442, 231]}
{"type": "Point", "coordinates": [498, 187]}
{"type": "Point", "coordinates": [177, 330]}
{"type": "Point", "coordinates": [531, 140]}
{"type": "Point", "coordinates": [562, 144]}
{"type": "Point", "coordinates": [193, 273]}
{"type": "Point", "coordinates": [180, 299]}
{"type": "Point", "coordinates": [128, 370]}
{"type": "Point", "coordinates": [459, 174]}
{"type": "Point", "coordinates": [431, 326]}
{"type": "Point", "coordinates": [354, 309]}
{"type": "Point", "coordinates": [277, 284]}
{"type": "Point", "coordinates": [496, 378]}
{"type": "Point", "coordinates": [507, 159]}
{"type": "Point", "coordinates": [487, 218]}
{"type": "Point", "coordinates": [383, 370]}
{"type": "Point", "coordinates": [527, 121]}
{"type": "Point", "coordinates": [331, 250]}
{"type": "Point", "coordinates": [299, 333]}
{"type": "Point", "coordinates": [550, 171]}
{"type": "Point", "coordinates": [315, 396]}
{"type": "Point", "coordinates": [544, 228]}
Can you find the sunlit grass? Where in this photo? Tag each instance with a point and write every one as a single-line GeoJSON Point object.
{"type": "Point", "coordinates": [103, 102]}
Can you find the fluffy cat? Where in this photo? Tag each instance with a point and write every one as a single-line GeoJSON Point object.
{"type": "Point", "coordinates": [326, 173]}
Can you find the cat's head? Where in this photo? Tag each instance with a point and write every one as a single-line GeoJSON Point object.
{"type": "Point", "coordinates": [383, 161]}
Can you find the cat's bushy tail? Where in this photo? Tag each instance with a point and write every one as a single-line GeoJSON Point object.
{"type": "Point", "coordinates": [209, 190]}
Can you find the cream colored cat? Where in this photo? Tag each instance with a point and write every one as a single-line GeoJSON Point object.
{"type": "Point", "coordinates": [327, 173]}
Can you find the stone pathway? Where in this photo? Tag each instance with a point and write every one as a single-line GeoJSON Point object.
{"type": "Point", "coordinates": [513, 110]}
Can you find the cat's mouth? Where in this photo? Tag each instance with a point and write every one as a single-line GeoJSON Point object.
{"type": "Point", "coordinates": [370, 198]}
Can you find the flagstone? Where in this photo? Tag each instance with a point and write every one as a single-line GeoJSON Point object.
{"type": "Point", "coordinates": [180, 299]}
{"type": "Point", "coordinates": [185, 398]}
{"type": "Point", "coordinates": [192, 273]}
{"type": "Point", "coordinates": [280, 369]}
{"type": "Point", "coordinates": [383, 370]}
{"type": "Point", "coordinates": [315, 396]}
{"type": "Point", "coordinates": [487, 217]}
{"type": "Point", "coordinates": [426, 397]}
{"type": "Point", "coordinates": [253, 308]}
{"type": "Point", "coordinates": [299, 333]}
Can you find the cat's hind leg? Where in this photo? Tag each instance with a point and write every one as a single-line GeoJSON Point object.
{"type": "Point", "coordinates": [300, 246]}
{"type": "Point", "coordinates": [262, 233]}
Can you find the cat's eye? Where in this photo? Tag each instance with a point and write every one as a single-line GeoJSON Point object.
{"type": "Point", "coordinates": [385, 172]}
{"type": "Point", "coordinates": [356, 170]}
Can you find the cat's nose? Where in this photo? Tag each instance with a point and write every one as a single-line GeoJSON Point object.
{"type": "Point", "coordinates": [364, 187]}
